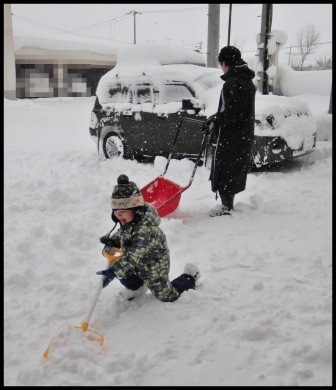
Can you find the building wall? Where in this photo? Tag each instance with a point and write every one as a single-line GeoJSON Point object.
{"type": "Point", "coordinates": [9, 59]}
{"type": "Point", "coordinates": [38, 80]}
{"type": "Point", "coordinates": [59, 73]}
{"type": "Point", "coordinates": [34, 72]}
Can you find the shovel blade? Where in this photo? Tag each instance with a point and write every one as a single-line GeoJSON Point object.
{"type": "Point", "coordinates": [90, 334]}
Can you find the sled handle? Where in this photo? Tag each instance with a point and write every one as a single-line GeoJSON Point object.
{"type": "Point", "coordinates": [174, 142]}
{"type": "Point", "coordinates": [175, 139]}
{"type": "Point", "coordinates": [197, 160]}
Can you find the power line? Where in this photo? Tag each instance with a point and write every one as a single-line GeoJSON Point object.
{"type": "Point", "coordinates": [68, 31]}
{"type": "Point", "coordinates": [37, 23]}
{"type": "Point", "coordinates": [315, 44]}
{"type": "Point", "coordinates": [174, 10]}
{"type": "Point", "coordinates": [106, 21]}
{"type": "Point", "coordinates": [289, 47]}
{"type": "Point", "coordinates": [119, 18]}
{"type": "Point", "coordinates": [99, 24]}
{"type": "Point", "coordinates": [65, 31]}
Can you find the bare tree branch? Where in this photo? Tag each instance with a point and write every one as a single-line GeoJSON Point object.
{"type": "Point", "coordinates": [307, 39]}
{"type": "Point", "coordinates": [324, 64]}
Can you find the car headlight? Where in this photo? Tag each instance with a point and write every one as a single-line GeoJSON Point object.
{"type": "Point", "coordinates": [93, 120]}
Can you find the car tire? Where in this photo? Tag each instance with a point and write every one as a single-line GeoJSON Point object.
{"type": "Point", "coordinates": [114, 145]}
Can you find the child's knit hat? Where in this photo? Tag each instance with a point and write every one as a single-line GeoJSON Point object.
{"type": "Point", "coordinates": [126, 194]}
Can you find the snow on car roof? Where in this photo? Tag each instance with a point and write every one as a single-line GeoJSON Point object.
{"type": "Point", "coordinates": [206, 82]}
{"type": "Point", "coordinates": [159, 63]}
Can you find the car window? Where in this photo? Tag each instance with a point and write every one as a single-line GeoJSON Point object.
{"type": "Point", "coordinates": [172, 93]}
{"type": "Point", "coordinates": [141, 94]}
{"type": "Point", "coordinates": [118, 94]}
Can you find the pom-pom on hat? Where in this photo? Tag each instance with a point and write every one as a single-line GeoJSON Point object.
{"type": "Point", "coordinates": [230, 55]}
{"type": "Point", "coordinates": [126, 194]}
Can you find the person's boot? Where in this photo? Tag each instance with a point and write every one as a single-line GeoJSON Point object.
{"type": "Point", "coordinates": [226, 207]}
{"type": "Point", "coordinates": [224, 210]}
{"type": "Point", "coordinates": [192, 270]}
{"type": "Point", "coordinates": [227, 201]}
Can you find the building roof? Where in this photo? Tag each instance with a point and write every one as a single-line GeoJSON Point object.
{"type": "Point", "coordinates": [65, 42]}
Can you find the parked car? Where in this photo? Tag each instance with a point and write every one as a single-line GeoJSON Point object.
{"type": "Point", "coordinates": [139, 106]}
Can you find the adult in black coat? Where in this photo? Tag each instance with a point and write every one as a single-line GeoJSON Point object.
{"type": "Point", "coordinates": [233, 129]}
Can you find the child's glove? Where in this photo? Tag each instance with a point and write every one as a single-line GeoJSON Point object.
{"type": "Point", "coordinates": [108, 276]}
{"type": "Point", "coordinates": [105, 240]}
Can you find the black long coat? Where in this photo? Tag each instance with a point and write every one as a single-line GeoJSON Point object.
{"type": "Point", "coordinates": [235, 131]}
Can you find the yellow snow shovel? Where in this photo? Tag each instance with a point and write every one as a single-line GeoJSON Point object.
{"type": "Point", "coordinates": [112, 254]}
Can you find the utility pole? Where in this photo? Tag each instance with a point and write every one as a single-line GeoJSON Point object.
{"type": "Point", "coordinates": [134, 14]}
{"type": "Point", "coordinates": [229, 29]}
{"type": "Point", "coordinates": [266, 23]}
{"type": "Point", "coordinates": [213, 35]}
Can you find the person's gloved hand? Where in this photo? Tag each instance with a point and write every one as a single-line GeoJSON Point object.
{"type": "Point", "coordinates": [112, 254]}
{"type": "Point", "coordinates": [209, 124]}
{"type": "Point", "coordinates": [105, 240]}
{"type": "Point", "coordinates": [108, 276]}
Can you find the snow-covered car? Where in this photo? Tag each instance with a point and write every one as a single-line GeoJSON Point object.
{"type": "Point", "coordinates": [140, 103]}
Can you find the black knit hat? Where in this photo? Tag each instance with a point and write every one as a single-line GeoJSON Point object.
{"type": "Point", "coordinates": [230, 55]}
{"type": "Point", "coordinates": [126, 194]}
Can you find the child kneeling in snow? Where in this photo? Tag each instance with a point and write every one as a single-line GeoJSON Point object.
{"type": "Point", "coordinates": [145, 262]}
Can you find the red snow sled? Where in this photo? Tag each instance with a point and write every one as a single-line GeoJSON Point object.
{"type": "Point", "coordinates": [164, 194]}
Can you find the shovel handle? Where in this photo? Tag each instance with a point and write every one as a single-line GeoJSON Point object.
{"type": "Point", "coordinates": [111, 258]}
{"type": "Point", "coordinates": [94, 301]}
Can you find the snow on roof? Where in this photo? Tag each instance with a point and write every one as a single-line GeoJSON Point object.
{"type": "Point", "coordinates": [159, 55]}
{"type": "Point", "coordinates": [64, 41]}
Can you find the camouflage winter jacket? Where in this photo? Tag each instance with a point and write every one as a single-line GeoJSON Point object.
{"type": "Point", "coordinates": [146, 254]}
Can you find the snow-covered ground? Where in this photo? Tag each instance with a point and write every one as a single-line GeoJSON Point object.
{"type": "Point", "coordinates": [261, 315]}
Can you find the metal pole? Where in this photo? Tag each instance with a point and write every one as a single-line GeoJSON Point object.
{"type": "Point", "coordinates": [134, 23]}
{"type": "Point", "coordinates": [289, 54]}
{"type": "Point", "coordinates": [266, 21]}
{"type": "Point", "coordinates": [229, 30]}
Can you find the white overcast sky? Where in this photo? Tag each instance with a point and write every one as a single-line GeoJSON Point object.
{"type": "Point", "coordinates": [178, 24]}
